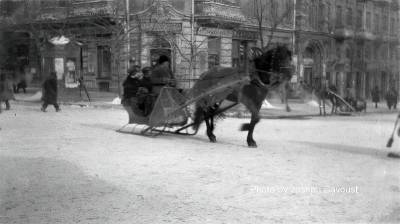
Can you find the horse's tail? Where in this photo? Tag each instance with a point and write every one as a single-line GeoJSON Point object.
{"type": "Point", "coordinates": [198, 117]}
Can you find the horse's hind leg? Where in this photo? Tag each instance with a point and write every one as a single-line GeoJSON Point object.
{"type": "Point", "coordinates": [210, 129]}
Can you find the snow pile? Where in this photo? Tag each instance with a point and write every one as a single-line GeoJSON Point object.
{"type": "Point", "coordinates": [35, 97]}
{"type": "Point", "coordinates": [116, 101]}
{"type": "Point", "coordinates": [313, 103]}
{"type": "Point", "coordinates": [267, 105]}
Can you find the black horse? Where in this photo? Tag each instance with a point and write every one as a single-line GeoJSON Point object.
{"type": "Point", "coordinates": [269, 70]}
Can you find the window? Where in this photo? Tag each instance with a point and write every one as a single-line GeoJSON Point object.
{"type": "Point", "coordinates": [348, 53]}
{"type": "Point", "coordinates": [376, 29]}
{"type": "Point", "coordinates": [376, 53]}
{"type": "Point", "coordinates": [214, 47]}
{"type": "Point", "coordinates": [338, 53]}
{"type": "Point", "coordinates": [238, 53]}
{"type": "Point", "coordinates": [321, 16]}
{"type": "Point", "coordinates": [349, 80]}
{"type": "Point", "coordinates": [392, 26]}
{"type": "Point", "coordinates": [103, 61]}
{"type": "Point", "coordinates": [359, 52]}
{"type": "Point", "coordinates": [288, 11]}
{"type": "Point", "coordinates": [349, 17]}
{"type": "Point", "coordinates": [54, 3]}
{"type": "Point", "coordinates": [339, 21]}
{"type": "Point", "coordinates": [367, 52]}
{"type": "Point", "coordinates": [384, 52]}
{"type": "Point", "coordinates": [368, 21]}
{"type": "Point", "coordinates": [385, 24]}
{"type": "Point", "coordinates": [328, 11]}
{"type": "Point", "coordinates": [359, 19]}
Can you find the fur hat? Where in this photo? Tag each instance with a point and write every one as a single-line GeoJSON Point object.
{"type": "Point", "coordinates": [162, 59]}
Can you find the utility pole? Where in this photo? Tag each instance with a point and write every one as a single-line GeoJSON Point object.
{"type": "Point", "coordinates": [294, 27]}
{"type": "Point", "coordinates": [128, 47]}
{"type": "Point", "coordinates": [297, 74]}
{"type": "Point", "coordinates": [192, 42]}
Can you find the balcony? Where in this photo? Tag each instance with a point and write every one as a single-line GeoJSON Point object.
{"type": "Point", "coordinates": [212, 12]}
{"type": "Point", "coordinates": [364, 35]}
{"type": "Point", "coordinates": [394, 38]}
{"type": "Point", "coordinates": [382, 2]}
{"type": "Point", "coordinates": [343, 33]}
{"type": "Point", "coordinates": [91, 8]}
{"type": "Point", "coordinates": [53, 13]}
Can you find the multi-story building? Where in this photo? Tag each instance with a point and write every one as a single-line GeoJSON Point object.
{"type": "Point", "coordinates": [352, 44]}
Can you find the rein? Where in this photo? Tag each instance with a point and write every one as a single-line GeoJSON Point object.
{"type": "Point", "coordinates": [260, 83]}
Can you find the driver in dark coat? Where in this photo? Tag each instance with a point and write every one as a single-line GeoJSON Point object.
{"type": "Point", "coordinates": [162, 75]}
{"type": "Point", "coordinates": [50, 91]}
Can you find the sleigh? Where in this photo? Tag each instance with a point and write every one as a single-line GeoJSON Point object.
{"type": "Point", "coordinates": [172, 111]}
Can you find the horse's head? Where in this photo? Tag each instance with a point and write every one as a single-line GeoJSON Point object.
{"type": "Point", "coordinates": [273, 66]}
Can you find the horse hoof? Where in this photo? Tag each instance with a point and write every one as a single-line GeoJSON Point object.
{"type": "Point", "coordinates": [252, 144]}
{"type": "Point", "coordinates": [213, 139]}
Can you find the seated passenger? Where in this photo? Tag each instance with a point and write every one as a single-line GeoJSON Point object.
{"type": "Point", "coordinates": [162, 75]}
{"type": "Point", "coordinates": [136, 89]}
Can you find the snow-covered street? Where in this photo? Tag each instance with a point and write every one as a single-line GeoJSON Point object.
{"type": "Point", "coordinates": [73, 167]}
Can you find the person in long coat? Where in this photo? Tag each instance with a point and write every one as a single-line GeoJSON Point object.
{"type": "Point", "coordinates": [391, 98]}
{"type": "Point", "coordinates": [375, 95]}
{"type": "Point", "coordinates": [6, 91]}
{"type": "Point", "coordinates": [162, 75]}
{"type": "Point", "coordinates": [50, 92]}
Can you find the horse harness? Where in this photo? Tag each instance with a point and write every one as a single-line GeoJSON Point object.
{"type": "Point", "coordinates": [275, 78]}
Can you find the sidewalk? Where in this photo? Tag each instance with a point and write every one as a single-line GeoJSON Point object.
{"type": "Point", "coordinates": [275, 109]}
{"type": "Point", "coordinates": [73, 97]}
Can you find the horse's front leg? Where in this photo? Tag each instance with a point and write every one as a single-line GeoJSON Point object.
{"type": "Point", "coordinates": [210, 128]}
{"type": "Point", "coordinates": [250, 128]}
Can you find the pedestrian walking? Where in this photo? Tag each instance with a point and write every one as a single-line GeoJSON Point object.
{"type": "Point", "coordinates": [375, 95]}
{"type": "Point", "coordinates": [6, 91]}
{"type": "Point", "coordinates": [391, 98]}
{"type": "Point", "coordinates": [50, 92]}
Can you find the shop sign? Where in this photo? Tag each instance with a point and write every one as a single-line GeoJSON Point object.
{"type": "Point", "coordinates": [71, 81]}
{"type": "Point", "coordinates": [59, 67]}
{"type": "Point", "coordinates": [162, 27]}
{"type": "Point", "coordinates": [208, 31]}
{"type": "Point", "coordinates": [245, 35]}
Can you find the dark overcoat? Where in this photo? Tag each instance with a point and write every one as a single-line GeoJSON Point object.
{"type": "Point", "coordinates": [6, 90]}
{"type": "Point", "coordinates": [162, 75]}
{"type": "Point", "coordinates": [132, 85]}
{"type": "Point", "coordinates": [375, 95]}
{"type": "Point", "coordinates": [391, 96]}
{"type": "Point", "coordinates": [50, 91]}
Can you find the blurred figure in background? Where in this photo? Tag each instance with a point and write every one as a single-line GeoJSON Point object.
{"type": "Point", "coordinates": [6, 91]}
{"type": "Point", "coordinates": [50, 92]}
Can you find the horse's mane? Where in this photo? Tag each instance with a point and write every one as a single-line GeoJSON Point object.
{"type": "Point", "coordinates": [272, 61]}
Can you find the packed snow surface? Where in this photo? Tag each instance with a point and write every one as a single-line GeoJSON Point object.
{"type": "Point", "coordinates": [73, 167]}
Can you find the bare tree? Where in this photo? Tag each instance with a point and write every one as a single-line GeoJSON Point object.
{"type": "Point", "coordinates": [268, 16]}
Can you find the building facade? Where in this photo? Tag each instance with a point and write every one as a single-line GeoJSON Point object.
{"type": "Point", "coordinates": [352, 44]}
